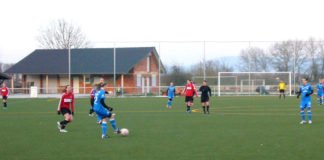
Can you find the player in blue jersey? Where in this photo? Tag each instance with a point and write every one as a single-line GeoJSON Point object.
{"type": "Point", "coordinates": [103, 111]}
{"type": "Point", "coordinates": [171, 93]}
{"type": "Point", "coordinates": [305, 91]}
{"type": "Point", "coordinates": [320, 88]}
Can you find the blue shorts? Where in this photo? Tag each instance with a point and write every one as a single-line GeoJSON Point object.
{"type": "Point", "coordinates": [319, 94]}
{"type": "Point", "coordinates": [103, 113]}
{"type": "Point", "coordinates": [306, 104]}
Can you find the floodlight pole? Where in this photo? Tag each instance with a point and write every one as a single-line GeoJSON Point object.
{"type": "Point", "coordinates": [289, 83]}
{"type": "Point", "coordinates": [69, 63]}
{"type": "Point", "coordinates": [294, 69]}
{"type": "Point", "coordinates": [114, 68]}
{"type": "Point", "coordinates": [249, 69]}
{"type": "Point", "coordinates": [218, 83]}
{"type": "Point", "coordinates": [204, 66]}
{"type": "Point", "coordinates": [159, 69]}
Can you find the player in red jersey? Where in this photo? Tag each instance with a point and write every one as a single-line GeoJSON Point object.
{"type": "Point", "coordinates": [4, 92]}
{"type": "Point", "coordinates": [189, 91]}
{"type": "Point", "coordinates": [66, 108]}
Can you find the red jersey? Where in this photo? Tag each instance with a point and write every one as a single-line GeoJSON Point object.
{"type": "Point", "coordinates": [190, 90]}
{"type": "Point", "coordinates": [92, 93]}
{"type": "Point", "coordinates": [4, 91]}
{"type": "Point", "coordinates": [67, 101]}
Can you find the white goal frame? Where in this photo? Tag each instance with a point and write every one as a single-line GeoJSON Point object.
{"type": "Point", "coordinates": [219, 78]}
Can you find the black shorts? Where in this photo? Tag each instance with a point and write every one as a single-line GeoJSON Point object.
{"type": "Point", "coordinates": [92, 102]}
{"type": "Point", "coordinates": [5, 97]}
{"type": "Point", "coordinates": [65, 111]}
{"type": "Point", "coordinates": [204, 99]}
{"type": "Point", "coordinates": [189, 99]}
{"type": "Point", "coordinates": [282, 91]}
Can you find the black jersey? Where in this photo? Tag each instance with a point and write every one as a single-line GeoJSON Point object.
{"type": "Point", "coordinates": [205, 91]}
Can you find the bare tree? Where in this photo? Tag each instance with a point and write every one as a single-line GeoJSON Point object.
{"type": "Point", "coordinates": [61, 35]}
{"type": "Point", "coordinates": [223, 66]}
{"type": "Point", "coordinates": [254, 59]}
{"type": "Point", "coordinates": [6, 66]}
{"type": "Point", "coordinates": [212, 67]}
{"type": "Point", "coordinates": [299, 58]}
{"type": "Point", "coordinates": [282, 55]}
{"type": "Point", "coordinates": [311, 50]}
{"type": "Point", "coordinates": [176, 74]}
{"type": "Point", "coordinates": [321, 57]}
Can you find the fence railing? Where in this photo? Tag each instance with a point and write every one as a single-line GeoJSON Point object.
{"type": "Point", "coordinates": [156, 91]}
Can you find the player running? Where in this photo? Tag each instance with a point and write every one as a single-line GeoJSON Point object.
{"type": "Point", "coordinates": [282, 88]}
{"type": "Point", "coordinates": [4, 92]}
{"type": "Point", "coordinates": [205, 94]}
{"type": "Point", "coordinates": [305, 91]}
{"type": "Point", "coordinates": [171, 93]}
{"type": "Point", "coordinates": [189, 91]}
{"type": "Point", "coordinates": [103, 111]}
{"type": "Point", "coordinates": [66, 108]}
{"type": "Point", "coordinates": [92, 95]}
{"type": "Point", "coordinates": [320, 88]}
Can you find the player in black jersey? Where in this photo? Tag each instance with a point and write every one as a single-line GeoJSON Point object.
{"type": "Point", "coordinates": [205, 94]}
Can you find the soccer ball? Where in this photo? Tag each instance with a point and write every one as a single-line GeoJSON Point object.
{"type": "Point", "coordinates": [124, 132]}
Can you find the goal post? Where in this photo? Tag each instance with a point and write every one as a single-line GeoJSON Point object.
{"type": "Point", "coordinates": [253, 83]}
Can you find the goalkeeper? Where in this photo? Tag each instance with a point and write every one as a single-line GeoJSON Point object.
{"type": "Point", "coordinates": [282, 88]}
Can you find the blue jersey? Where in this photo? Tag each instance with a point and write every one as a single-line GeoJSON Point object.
{"type": "Point", "coordinates": [171, 91]}
{"type": "Point", "coordinates": [320, 88]}
{"type": "Point", "coordinates": [99, 95]}
{"type": "Point", "coordinates": [305, 89]}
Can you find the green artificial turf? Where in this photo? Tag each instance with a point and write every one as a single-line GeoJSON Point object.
{"type": "Point", "coordinates": [238, 128]}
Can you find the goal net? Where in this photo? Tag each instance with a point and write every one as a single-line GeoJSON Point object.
{"type": "Point", "coordinates": [252, 83]}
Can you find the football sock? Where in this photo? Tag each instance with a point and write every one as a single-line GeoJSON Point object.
{"type": "Point", "coordinates": [113, 124]}
{"type": "Point", "coordinates": [104, 128]}
{"type": "Point", "coordinates": [310, 116]}
{"type": "Point", "coordinates": [4, 104]}
{"type": "Point", "coordinates": [204, 108]}
{"type": "Point", "coordinates": [98, 118]}
{"type": "Point", "coordinates": [284, 96]}
{"type": "Point", "coordinates": [302, 114]}
{"type": "Point", "coordinates": [169, 103]}
{"type": "Point", "coordinates": [91, 111]}
{"type": "Point", "coordinates": [208, 109]}
{"type": "Point", "coordinates": [64, 123]}
{"type": "Point", "coordinates": [188, 108]}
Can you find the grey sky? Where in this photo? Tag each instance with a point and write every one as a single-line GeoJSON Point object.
{"type": "Point", "coordinates": [163, 20]}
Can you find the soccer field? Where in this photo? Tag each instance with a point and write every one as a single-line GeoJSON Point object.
{"type": "Point", "coordinates": [238, 128]}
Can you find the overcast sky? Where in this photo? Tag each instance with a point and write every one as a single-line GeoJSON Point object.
{"type": "Point", "coordinates": [163, 20]}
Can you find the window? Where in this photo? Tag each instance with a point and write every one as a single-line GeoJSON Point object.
{"type": "Point", "coordinates": [87, 79]}
{"type": "Point", "coordinates": [154, 80]}
{"type": "Point", "coordinates": [139, 80]}
{"type": "Point", "coordinates": [148, 64]}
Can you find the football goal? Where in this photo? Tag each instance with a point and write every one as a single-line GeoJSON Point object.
{"type": "Point", "coordinates": [252, 83]}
